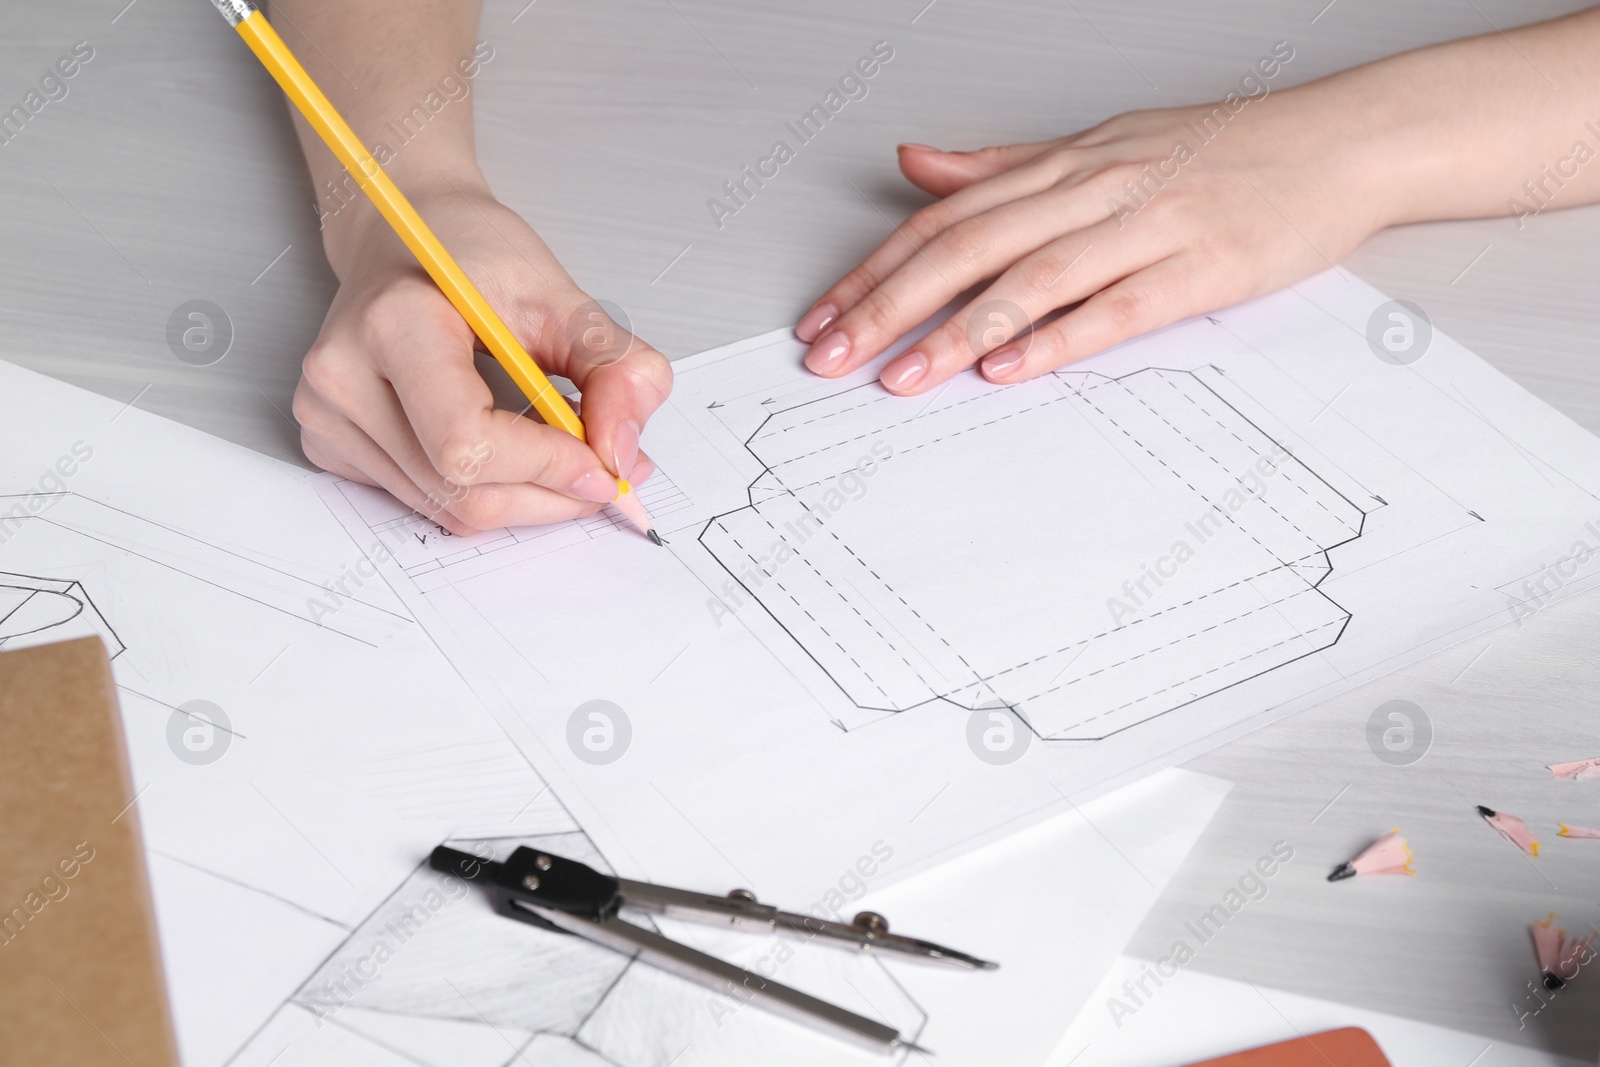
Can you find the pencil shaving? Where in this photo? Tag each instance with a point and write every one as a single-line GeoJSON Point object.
{"type": "Point", "coordinates": [1559, 957]}
{"type": "Point", "coordinates": [1572, 953]}
{"type": "Point", "coordinates": [1511, 828]}
{"type": "Point", "coordinates": [1388, 855]}
{"type": "Point", "coordinates": [1577, 770]}
{"type": "Point", "coordinates": [1578, 831]}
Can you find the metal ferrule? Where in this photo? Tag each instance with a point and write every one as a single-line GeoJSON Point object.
{"type": "Point", "coordinates": [235, 11]}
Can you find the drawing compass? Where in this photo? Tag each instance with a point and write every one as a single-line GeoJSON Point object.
{"type": "Point", "coordinates": [567, 896]}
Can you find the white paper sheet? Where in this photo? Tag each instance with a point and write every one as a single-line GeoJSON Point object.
{"type": "Point", "coordinates": [331, 751]}
{"type": "Point", "coordinates": [1120, 564]}
{"type": "Point", "coordinates": [286, 828]}
{"type": "Point", "coordinates": [1053, 902]}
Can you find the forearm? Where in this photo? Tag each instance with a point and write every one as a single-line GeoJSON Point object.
{"type": "Point", "coordinates": [400, 71]}
{"type": "Point", "coordinates": [1460, 130]}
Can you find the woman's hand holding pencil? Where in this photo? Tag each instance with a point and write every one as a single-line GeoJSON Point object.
{"type": "Point", "coordinates": [389, 394]}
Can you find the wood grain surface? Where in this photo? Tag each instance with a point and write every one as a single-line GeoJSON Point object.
{"type": "Point", "coordinates": [169, 173]}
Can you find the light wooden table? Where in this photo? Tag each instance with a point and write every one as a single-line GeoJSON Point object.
{"type": "Point", "coordinates": [609, 124]}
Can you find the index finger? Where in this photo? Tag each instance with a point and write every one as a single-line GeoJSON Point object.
{"type": "Point", "coordinates": [468, 441]}
{"type": "Point", "coordinates": [623, 380]}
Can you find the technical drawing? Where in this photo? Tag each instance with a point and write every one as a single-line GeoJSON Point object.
{"type": "Point", "coordinates": [897, 561]}
{"type": "Point", "coordinates": [434, 957]}
{"type": "Point", "coordinates": [36, 610]}
{"type": "Point", "coordinates": [424, 549]}
{"type": "Point", "coordinates": [104, 531]}
{"type": "Point", "coordinates": [376, 959]}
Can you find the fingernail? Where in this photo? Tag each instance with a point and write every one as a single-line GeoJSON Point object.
{"type": "Point", "coordinates": [924, 147]}
{"type": "Point", "coordinates": [828, 354]}
{"type": "Point", "coordinates": [905, 372]}
{"type": "Point", "coordinates": [1002, 364]}
{"type": "Point", "coordinates": [595, 485]}
{"type": "Point", "coordinates": [625, 447]}
{"type": "Point", "coordinates": [816, 320]}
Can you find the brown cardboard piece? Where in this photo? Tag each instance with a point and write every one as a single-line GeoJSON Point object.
{"type": "Point", "coordinates": [81, 982]}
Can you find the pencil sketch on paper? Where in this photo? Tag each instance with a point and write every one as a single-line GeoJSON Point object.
{"type": "Point", "coordinates": [79, 535]}
{"type": "Point", "coordinates": [423, 549]}
{"type": "Point", "coordinates": [1207, 574]}
{"type": "Point", "coordinates": [37, 609]}
{"type": "Point", "coordinates": [396, 963]}
{"type": "Point", "coordinates": [434, 962]}
{"type": "Point", "coordinates": [889, 551]}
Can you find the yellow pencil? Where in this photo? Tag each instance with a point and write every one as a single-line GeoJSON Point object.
{"type": "Point", "coordinates": [319, 111]}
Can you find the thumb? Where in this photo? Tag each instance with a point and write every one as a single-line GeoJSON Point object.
{"type": "Point", "coordinates": [942, 173]}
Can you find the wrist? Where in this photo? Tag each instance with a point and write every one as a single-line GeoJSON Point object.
{"type": "Point", "coordinates": [1417, 136]}
{"type": "Point", "coordinates": [355, 233]}
{"type": "Point", "coordinates": [1353, 130]}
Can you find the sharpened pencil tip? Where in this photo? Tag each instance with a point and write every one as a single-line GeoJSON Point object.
{"type": "Point", "coordinates": [651, 533]}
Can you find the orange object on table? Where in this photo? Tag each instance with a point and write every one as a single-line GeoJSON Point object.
{"type": "Point", "coordinates": [1349, 1047]}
